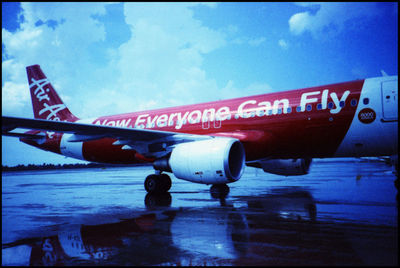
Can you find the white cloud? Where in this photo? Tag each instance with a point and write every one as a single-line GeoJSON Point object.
{"type": "Point", "coordinates": [283, 44]}
{"type": "Point", "coordinates": [14, 93]}
{"type": "Point", "coordinates": [159, 64]}
{"type": "Point", "coordinates": [253, 42]}
{"type": "Point", "coordinates": [232, 33]}
{"type": "Point", "coordinates": [163, 59]}
{"type": "Point", "coordinates": [64, 50]}
{"type": "Point", "coordinates": [14, 98]}
{"type": "Point", "coordinates": [258, 88]}
{"type": "Point", "coordinates": [299, 22]}
{"type": "Point", "coordinates": [233, 91]}
{"type": "Point", "coordinates": [330, 17]}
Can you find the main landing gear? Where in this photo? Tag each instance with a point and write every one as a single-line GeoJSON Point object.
{"type": "Point", "coordinates": [157, 183]}
{"type": "Point", "coordinates": [160, 183]}
{"type": "Point", "coordinates": [219, 190]}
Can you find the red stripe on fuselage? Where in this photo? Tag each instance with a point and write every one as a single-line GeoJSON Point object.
{"type": "Point", "coordinates": [286, 133]}
{"type": "Point", "coordinates": [279, 132]}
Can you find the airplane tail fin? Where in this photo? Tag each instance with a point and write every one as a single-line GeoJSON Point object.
{"type": "Point", "coordinates": [45, 100]}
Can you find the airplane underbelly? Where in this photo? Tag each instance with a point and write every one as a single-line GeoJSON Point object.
{"type": "Point", "coordinates": [103, 151]}
{"type": "Point", "coordinates": [371, 142]}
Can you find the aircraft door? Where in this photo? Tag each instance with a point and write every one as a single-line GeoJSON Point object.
{"type": "Point", "coordinates": [389, 100]}
{"type": "Point", "coordinates": [206, 122]}
{"type": "Point", "coordinates": [217, 122]}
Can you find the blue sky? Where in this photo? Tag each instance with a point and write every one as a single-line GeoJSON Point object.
{"type": "Point", "coordinates": [110, 58]}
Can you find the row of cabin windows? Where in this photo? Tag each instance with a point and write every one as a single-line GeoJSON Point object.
{"type": "Point", "coordinates": [330, 106]}
{"type": "Point", "coordinates": [280, 110]}
{"type": "Point", "coordinates": [353, 103]}
{"type": "Point", "coordinates": [298, 109]}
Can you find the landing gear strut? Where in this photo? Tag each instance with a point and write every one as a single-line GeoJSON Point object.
{"type": "Point", "coordinates": [157, 183]}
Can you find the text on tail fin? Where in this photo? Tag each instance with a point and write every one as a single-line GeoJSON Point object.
{"type": "Point", "coordinates": [45, 100]}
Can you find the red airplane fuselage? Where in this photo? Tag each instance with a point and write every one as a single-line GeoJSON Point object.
{"type": "Point", "coordinates": [340, 119]}
{"type": "Point", "coordinates": [304, 123]}
{"type": "Point", "coordinates": [290, 124]}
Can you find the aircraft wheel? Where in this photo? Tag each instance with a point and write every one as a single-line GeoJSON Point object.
{"type": "Point", "coordinates": [166, 182]}
{"type": "Point", "coordinates": [152, 184]}
{"type": "Point", "coordinates": [157, 183]}
{"type": "Point", "coordinates": [219, 190]}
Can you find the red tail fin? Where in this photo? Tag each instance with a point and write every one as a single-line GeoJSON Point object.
{"type": "Point", "coordinates": [45, 100]}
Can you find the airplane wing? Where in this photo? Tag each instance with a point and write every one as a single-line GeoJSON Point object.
{"type": "Point", "coordinates": [150, 143]}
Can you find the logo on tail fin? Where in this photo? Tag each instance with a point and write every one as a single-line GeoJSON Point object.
{"type": "Point", "coordinates": [41, 95]}
{"type": "Point", "coordinates": [45, 100]}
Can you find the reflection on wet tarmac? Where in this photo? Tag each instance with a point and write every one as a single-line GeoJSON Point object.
{"type": "Point", "coordinates": [278, 228]}
{"type": "Point", "coordinates": [280, 224]}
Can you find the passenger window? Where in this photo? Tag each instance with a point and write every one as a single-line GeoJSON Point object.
{"type": "Point", "coordinates": [353, 102]}
{"type": "Point", "coordinates": [309, 107]}
{"type": "Point", "coordinates": [298, 109]}
{"type": "Point", "coordinates": [366, 101]}
{"type": "Point", "coordinates": [319, 106]}
{"type": "Point", "coordinates": [341, 104]}
{"type": "Point", "coordinates": [330, 105]}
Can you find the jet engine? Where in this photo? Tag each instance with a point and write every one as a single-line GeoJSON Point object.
{"type": "Point", "coordinates": [212, 161]}
{"type": "Point", "coordinates": [286, 167]}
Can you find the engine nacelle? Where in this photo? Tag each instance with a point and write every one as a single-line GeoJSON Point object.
{"type": "Point", "coordinates": [287, 167]}
{"type": "Point", "coordinates": [213, 161]}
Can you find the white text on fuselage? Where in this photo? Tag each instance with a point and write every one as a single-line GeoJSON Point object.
{"type": "Point", "coordinates": [246, 109]}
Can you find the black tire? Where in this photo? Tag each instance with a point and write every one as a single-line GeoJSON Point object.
{"type": "Point", "coordinates": [219, 190]}
{"type": "Point", "coordinates": [166, 182]}
{"type": "Point", "coordinates": [152, 184]}
{"type": "Point", "coordinates": [157, 183]}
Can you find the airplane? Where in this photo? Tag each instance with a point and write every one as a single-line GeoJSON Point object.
{"type": "Point", "coordinates": [212, 142]}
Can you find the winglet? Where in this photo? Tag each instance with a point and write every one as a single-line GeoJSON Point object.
{"type": "Point", "coordinates": [45, 100]}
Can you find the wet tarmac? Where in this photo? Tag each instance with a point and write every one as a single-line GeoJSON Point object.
{"type": "Point", "coordinates": [342, 213]}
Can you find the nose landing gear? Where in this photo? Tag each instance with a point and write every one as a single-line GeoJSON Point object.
{"type": "Point", "coordinates": [157, 183]}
